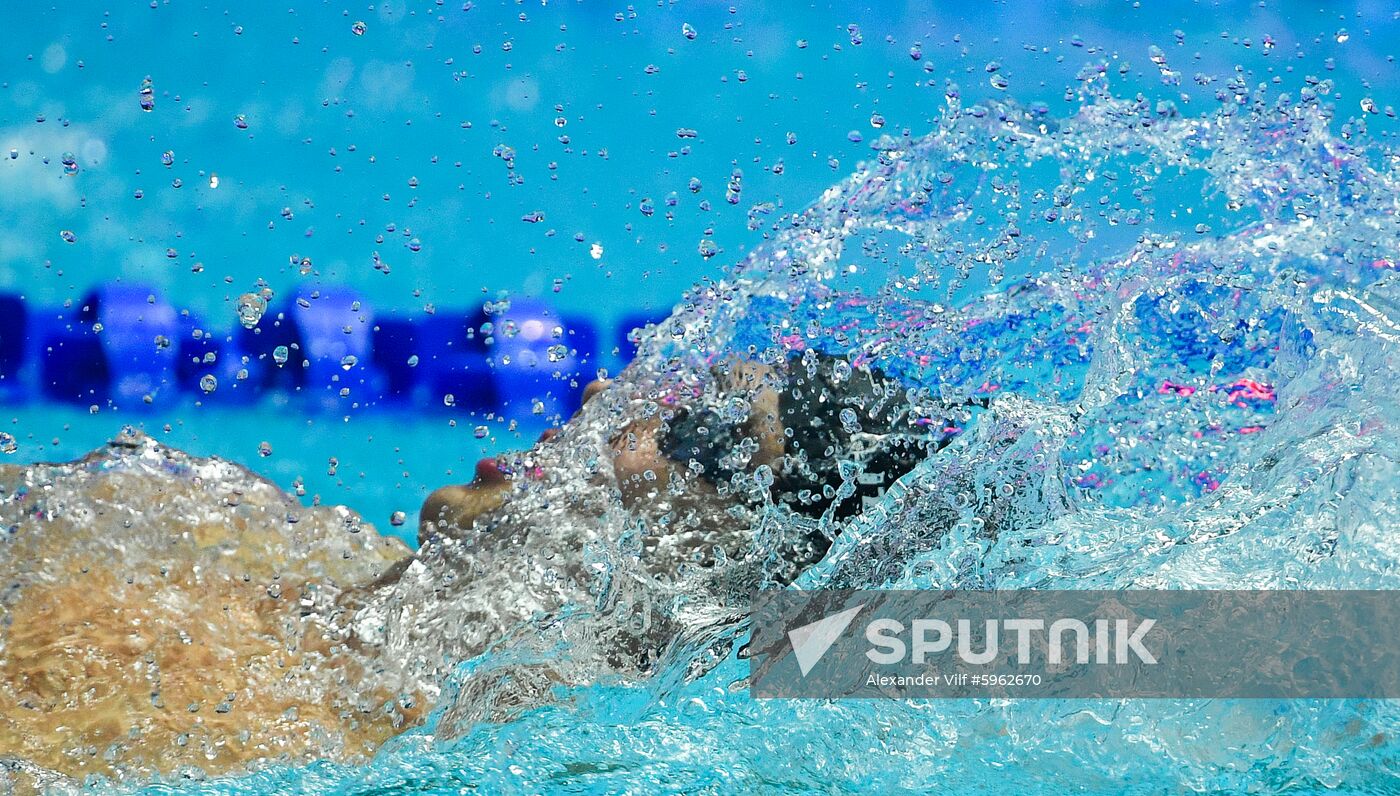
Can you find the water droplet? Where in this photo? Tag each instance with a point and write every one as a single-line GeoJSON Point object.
{"type": "Point", "coordinates": [148, 95]}
{"type": "Point", "coordinates": [251, 307]}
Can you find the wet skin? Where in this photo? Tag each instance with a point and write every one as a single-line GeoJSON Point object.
{"type": "Point", "coordinates": [639, 466]}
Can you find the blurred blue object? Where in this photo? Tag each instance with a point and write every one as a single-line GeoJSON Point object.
{"type": "Point", "coordinates": [273, 350]}
{"type": "Point", "coordinates": [138, 334]}
{"type": "Point", "coordinates": [533, 358]}
{"type": "Point", "coordinates": [395, 344]}
{"type": "Point", "coordinates": [336, 332]}
{"type": "Point", "coordinates": [14, 328]}
{"type": "Point", "coordinates": [72, 365]}
{"type": "Point", "coordinates": [581, 335]}
{"type": "Point", "coordinates": [125, 345]}
{"type": "Point", "coordinates": [209, 364]}
{"type": "Point", "coordinates": [458, 374]}
{"type": "Point", "coordinates": [117, 347]}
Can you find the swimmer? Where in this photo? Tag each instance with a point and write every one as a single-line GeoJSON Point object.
{"type": "Point", "coordinates": [828, 437]}
{"type": "Point", "coordinates": [243, 643]}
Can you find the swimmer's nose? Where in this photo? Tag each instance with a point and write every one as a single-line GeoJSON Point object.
{"type": "Point", "coordinates": [488, 471]}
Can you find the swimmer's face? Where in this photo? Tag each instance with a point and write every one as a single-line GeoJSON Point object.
{"type": "Point", "coordinates": [640, 465]}
{"type": "Point", "coordinates": [460, 506]}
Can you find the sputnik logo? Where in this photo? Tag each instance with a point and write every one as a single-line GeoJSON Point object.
{"type": "Point", "coordinates": [810, 642]}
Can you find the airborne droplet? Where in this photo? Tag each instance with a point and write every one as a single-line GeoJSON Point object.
{"type": "Point", "coordinates": [251, 307]}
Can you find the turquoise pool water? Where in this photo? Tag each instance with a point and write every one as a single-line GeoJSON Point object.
{"type": "Point", "coordinates": [1158, 242]}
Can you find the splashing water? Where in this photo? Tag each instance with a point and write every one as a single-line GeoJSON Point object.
{"type": "Point", "coordinates": [1164, 347]}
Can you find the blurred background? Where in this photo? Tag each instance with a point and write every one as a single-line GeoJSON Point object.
{"type": "Point", "coordinates": [358, 247]}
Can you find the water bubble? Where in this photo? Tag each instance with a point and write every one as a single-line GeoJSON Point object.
{"type": "Point", "coordinates": [70, 163]}
{"type": "Point", "coordinates": [264, 449]}
{"type": "Point", "coordinates": [241, 121]}
{"type": "Point", "coordinates": [449, 400]}
{"type": "Point", "coordinates": [688, 31]}
{"type": "Point", "coordinates": [849, 421]}
{"type": "Point", "coordinates": [480, 432]}
{"type": "Point", "coordinates": [349, 361]}
{"type": "Point", "coordinates": [398, 518]}
{"type": "Point", "coordinates": [1343, 36]}
{"type": "Point", "coordinates": [8, 443]}
{"type": "Point", "coordinates": [999, 82]}
{"type": "Point", "coordinates": [68, 236]}
{"type": "Point", "coordinates": [413, 361]}
{"type": "Point", "coordinates": [208, 383]}
{"type": "Point", "coordinates": [280, 354]}
{"type": "Point", "coordinates": [359, 28]}
{"type": "Point", "coordinates": [1369, 105]}
{"type": "Point", "coordinates": [167, 158]}
{"type": "Point", "coordinates": [251, 307]}
{"type": "Point", "coordinates": [877, 121]}
{"type": "Point", "coordinates": [148, 95]}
